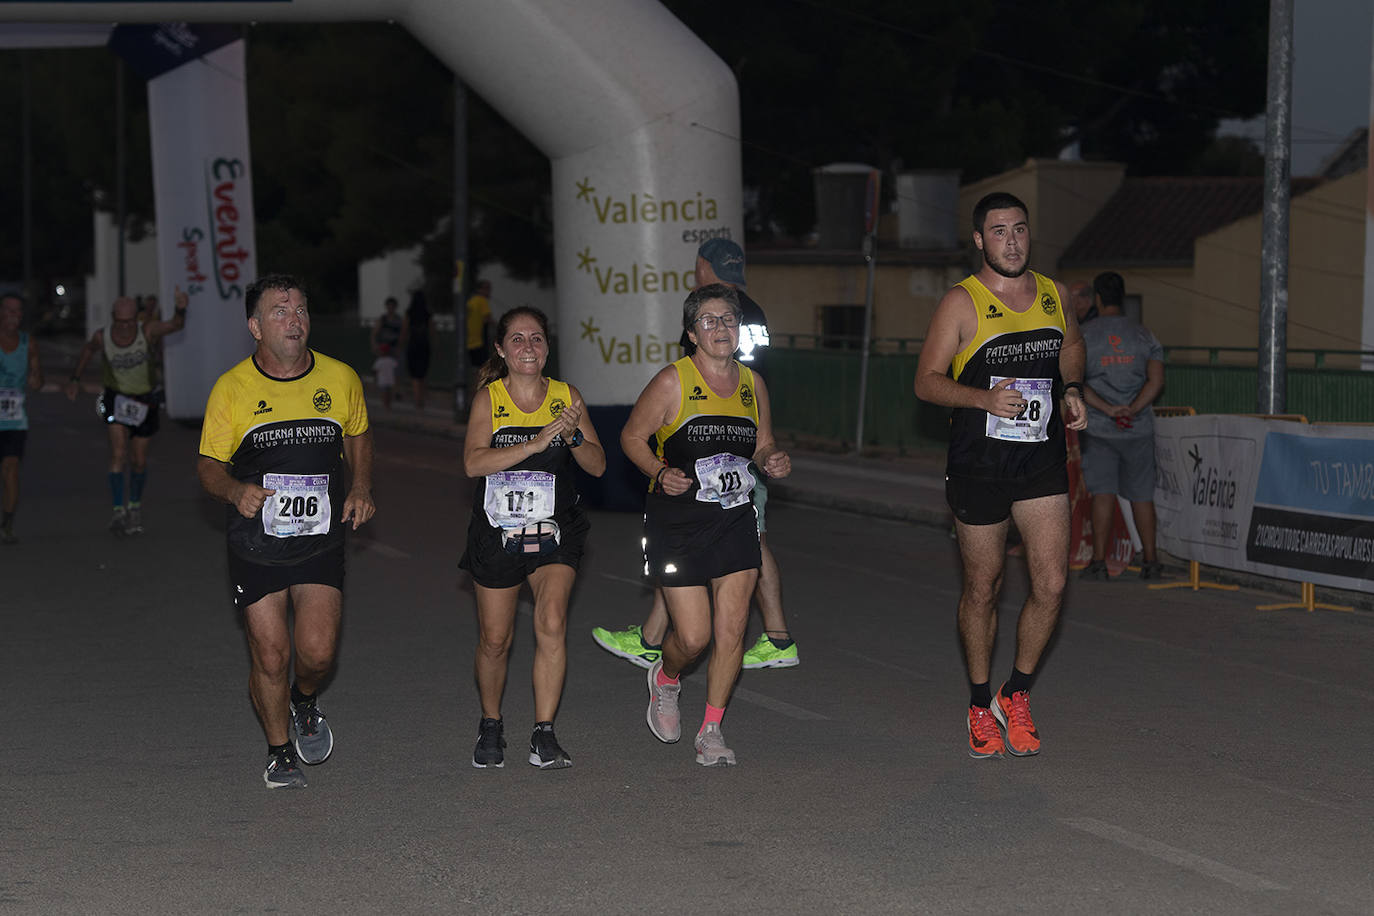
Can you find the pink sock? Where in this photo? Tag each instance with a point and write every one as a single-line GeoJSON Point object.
{"type": "Point", "coordinates": [713, 714]}
{"type": "Point", "coordinates": [660, 679]}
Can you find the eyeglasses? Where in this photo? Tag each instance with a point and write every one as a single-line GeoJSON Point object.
{"type": "Point", "coordinates": [709, 322]}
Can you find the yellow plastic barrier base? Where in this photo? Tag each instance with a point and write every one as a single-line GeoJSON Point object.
{"type": "Point", "coordinates": [1307, 601]}
{"type": "Point", "coordinates": [1195, 581]}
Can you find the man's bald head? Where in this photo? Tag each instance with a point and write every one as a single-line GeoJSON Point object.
{"type": "Point", "coordinates": [125, 309]}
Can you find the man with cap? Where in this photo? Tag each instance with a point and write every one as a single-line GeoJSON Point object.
{"type": "Point", "coordinates": [721, 260]}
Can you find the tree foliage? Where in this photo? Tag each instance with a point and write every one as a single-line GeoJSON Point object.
{"type": "Point", "coordinates": [978, 85]}
{"type": "Point", "coordinates": [351, 124]}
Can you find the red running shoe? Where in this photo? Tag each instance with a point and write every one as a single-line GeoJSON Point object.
{"type": "Point", "coordinates": [1014, 715]}
{"type": "Point", "coordinates": [984, 738]}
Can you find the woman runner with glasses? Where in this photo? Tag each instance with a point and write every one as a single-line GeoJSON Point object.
{"type": "Point", "coordinates": [710, 421]}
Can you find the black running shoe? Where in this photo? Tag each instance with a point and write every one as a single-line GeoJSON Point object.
{"type": "Point", "coordinates": [1095, 571]}
{"type": "Point", "coordinates": [283, 772]}
{"type": "Point", "coordinates": [314, 738]}
{"type": "Point", "coordinates": [1152, 570]}
{"type": "Point", "coordinates": [544, 750]}
{"type": "Point", "coordinates": [491, 744]}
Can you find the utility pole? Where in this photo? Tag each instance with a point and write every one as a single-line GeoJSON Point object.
{"type": "Point", "coordinates": [460, 245]}
{"type": "Point", "coordinates": [121, 203]}
{"type": "Point", "coordinates": [26, 151]}
{"type": "Point", "coordinates": [1273, 330]}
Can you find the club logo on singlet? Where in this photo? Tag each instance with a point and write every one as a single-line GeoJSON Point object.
{"type": "Point", "coordinates": [696, 394]}
{"type": "Point", "coordinates": [746, 396]}
{"type": "Point", "coordinates": [992, 310]}
{"type": "Point", "coordinates": [501, 411]}
{"type": "Point", "coordinates": [556, 407]}
{"type": "Point", "coordinates": [1048, 303]}
{"type": "Point", "coordinates": [322, 400]}
{"type": "Point", "coordinates": [262, 409]}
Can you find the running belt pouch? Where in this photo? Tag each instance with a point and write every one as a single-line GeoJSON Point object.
{"type": "Point", "coordinates": [542, 539]}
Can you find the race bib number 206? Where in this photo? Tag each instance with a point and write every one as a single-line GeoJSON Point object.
{"type": "Point", "coordinates": [299, 507]}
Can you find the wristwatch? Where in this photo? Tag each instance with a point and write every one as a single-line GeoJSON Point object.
{"type": "Point", "coordinates": [577, 439]}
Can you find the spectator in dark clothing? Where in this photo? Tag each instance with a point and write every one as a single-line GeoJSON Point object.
{"type": "Point", "coordinates": [415, 334]}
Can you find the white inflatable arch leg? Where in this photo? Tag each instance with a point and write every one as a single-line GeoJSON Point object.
{"type": "Point", "coordinates": [638, 117]}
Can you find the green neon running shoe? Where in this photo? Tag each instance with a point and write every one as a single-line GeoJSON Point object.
{"type": "Point", "coordinates": [628, 644]}
{"type": "Point", "coordinates": [766, 655]}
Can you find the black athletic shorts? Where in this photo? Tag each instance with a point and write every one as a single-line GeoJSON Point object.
{"type": "Point", "coordinates": [143, 430]}
{"type": "Point", "coordinates": [493, 566]}
{"type": "Point", "coordinates": [250, 582]}
{"type": "Point", "coordinates": [12, 442]}
{"type": "Point", "coordinates": [683, 548]}
{"type": "Point", "coordinates": [988, 502]}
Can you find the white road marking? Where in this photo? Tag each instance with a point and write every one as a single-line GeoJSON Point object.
{"type": "Point", "coordinates": [767, 702]}
{"type": "Point", "coordinates": [831, 560]}
{"type": "Point", "coordinates": [901, 478]}
{"type": "Point", "coordinates": [870, 660]}
{"type": "Point", "coordinates": [1211, 655]}
{"type": "Point", "coordinates": [1347, 799]}
{"type": "Point", "coordinates": [451, 466]}
{"type": "Point", "coordinates": [640, 582]}
{"type": "Point", "coordinates": [1180, 857]}
{"type": "Point", "coordinates": [392, 553]}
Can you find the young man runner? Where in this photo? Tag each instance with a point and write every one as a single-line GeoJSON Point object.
{"type": "Point", "coordinates": [1017, 382]}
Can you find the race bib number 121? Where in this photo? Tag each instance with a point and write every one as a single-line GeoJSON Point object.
{"type": "Point", "coordinates": [724, 479]}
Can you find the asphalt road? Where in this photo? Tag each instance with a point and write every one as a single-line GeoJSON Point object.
{"type": "Point", "coordinates": [1199, 755]}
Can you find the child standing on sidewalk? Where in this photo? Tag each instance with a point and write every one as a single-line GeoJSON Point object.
{"type": "Point", "coordinates": [384, 368]}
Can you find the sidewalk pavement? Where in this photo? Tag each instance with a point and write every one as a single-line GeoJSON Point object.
{"type": "Point", "coordinates": [904, 488]}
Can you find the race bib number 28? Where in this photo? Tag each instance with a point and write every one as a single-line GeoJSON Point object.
{"type": "Point", "coordinates": [299, 507]}
{"type": "Point", "coordinates": [1031, 423]}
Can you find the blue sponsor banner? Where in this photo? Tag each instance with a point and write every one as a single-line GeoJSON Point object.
{"type": "Point", "coordinates": [1317, 474]}
{"type": "Point", "coordinates": [152, 50]}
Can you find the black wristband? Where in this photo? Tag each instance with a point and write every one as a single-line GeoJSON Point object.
{"type": "Point", "coordinates": [658, 478]}
{"type": "Point", "coordinates": [1078, 385]}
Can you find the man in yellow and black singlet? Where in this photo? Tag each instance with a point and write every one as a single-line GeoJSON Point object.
{"type": "Point", "coordinates": [283, 429]}
{"type": "Point", "coordinates": [128, 404]}
{"type": "Point", "coordinates": [1017, 360]}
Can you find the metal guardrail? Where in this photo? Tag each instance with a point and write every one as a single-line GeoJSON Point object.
{"type": "Point", "coordinates": [814, 381]}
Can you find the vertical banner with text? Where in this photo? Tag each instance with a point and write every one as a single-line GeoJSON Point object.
{"type": "Point", "coordinates": [198, 116]}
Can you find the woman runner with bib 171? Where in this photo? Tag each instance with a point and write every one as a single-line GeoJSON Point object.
{"type": "Point", "coordinates": [710, 418]}
{"type": "Point", "coordinates": [523, 435]}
